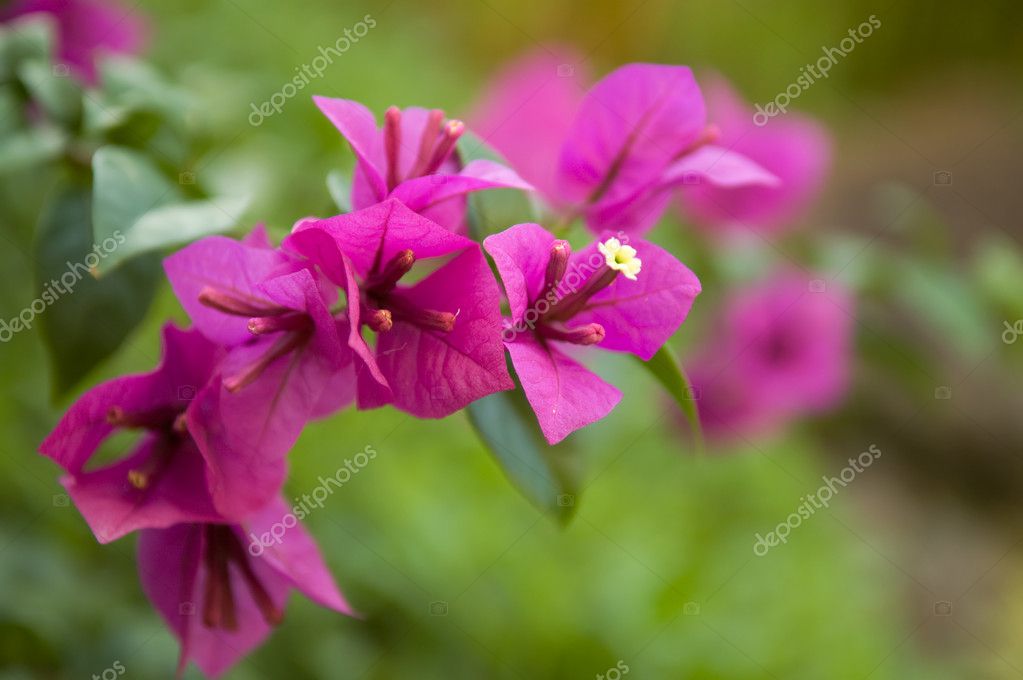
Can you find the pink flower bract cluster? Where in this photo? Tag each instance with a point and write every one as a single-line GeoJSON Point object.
{"type": "Point", "coordinates": [393, 304]}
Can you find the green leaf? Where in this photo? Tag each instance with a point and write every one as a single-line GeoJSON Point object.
{"type": "Point", "coordinates": [30, 147]}
{"type": "Point", "coordinates": [136, 85]}
{"type": "Point", "coordinates": [12, 117]}
{"type": "Point", "coordinates": [493, 210]}
{"type": "Point", "coordinates": [59, 95]}
{"type": "Point", "coordinates": [998, 269]}
{"type": "Point", "coordinates": [175, 224]}
{"type": "Point", "coordinates": [137, 210]}
{"type": "Point", "coordinates": [546, 475]}
{"type": "Point", "coordinates": [955, 310]}
{"type": "Point", "coordinates": [27, 37]}
{"type": "Point", "coordinates": [340, 188]}
{"type": "Point", "coordinates": [84, 320]}
{"type": "Point", "coordinates": [665, 367]}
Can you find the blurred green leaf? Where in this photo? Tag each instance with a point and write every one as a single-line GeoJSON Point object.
{"type": "Point", "coordinates": [953, 309]}
{"type": "Point", "coordinates": [59, 95]}
{"type": "Point", "coordinates": [23, 647]}
{"type": "Point", "coordinates": [11, 109]}
{"type": "Point", "coordinates": [998, 267]}
{"type": "Point", "coordinates": [544, 474]}
{"type": "Point", "coordinates": [84, 320]}
{"type": "Point", "coordinates": [139, 209]}
{"type": "Point", "coordinates": [137, 107]}
{"type": "Point", "coordinates": [28, 37]}
{"type": "Point", "coordinates": [134, 85]}
{"type": "Point", "coordinates": [100, 116]}
{"type": "Point", "coordinates": [340, 188]}
{"type": "Point", "coordinates": [30, 147]}
{"type": "Point", "coordinates": [665, 367]}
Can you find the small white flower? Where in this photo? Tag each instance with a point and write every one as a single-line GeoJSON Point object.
{"type": "Point", "coordinates": [621, 257]}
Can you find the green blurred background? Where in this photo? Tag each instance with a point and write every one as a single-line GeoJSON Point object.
{"type": "Point", "coordinates": [912, 573]}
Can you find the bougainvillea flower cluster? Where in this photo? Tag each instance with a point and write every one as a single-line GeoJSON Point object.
{"type": "Point", "coordinates": [394, 304]}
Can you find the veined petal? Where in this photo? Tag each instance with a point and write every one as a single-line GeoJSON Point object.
{"type": "Point", "coordinates": [718, 166]}
{"type": "Point", "coordinates": [565, 395]}
{"type": "Point", "coordinates": [708, 167]}
{"type": "Point", "coordinates": [170, 569]}
{"type": "Point", "coordinates": [302, 292]}
{"type": "Point", "coordinates": [226, 265]}
{"type": "Point", "coordinates": [246, 435]}
{"type": "Point", "coordinates": [177, 493]}
{"type": "Point", "coordinates": [629, 128]}
{"type": "Point", "coordinates": [373, 236]}
{"type": "Point", "coordinates": [359, 127]}
{"type": "Point", "coordinates": [168, 561]}
{"type": "Point", "coordinates": [435, 373]}
{"type": "Point", "coordinates": [323, 248]}
{"type": "Point", "coordinates": [296, 558]}
{"type": "Point", "coordinates": [639, 316]}
{"type": "Point", "coordinates": [187, 365]}
{"type": "Point", "coordinates": [521, 253]}
{"type": "Point", "coordinates": [422, 193]}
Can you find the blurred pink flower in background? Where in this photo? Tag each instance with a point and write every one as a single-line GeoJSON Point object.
{"type": "Point", "coordinates": [616, 153]}
{"type": "Point", "coordinates": [86, 28]}
{"type": "Point", "coordinates": [795, 148]}
{"type": "Point", "coordinates": [781, 348]}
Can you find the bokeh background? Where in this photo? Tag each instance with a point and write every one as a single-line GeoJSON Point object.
{"type": "Point", "coordinates": [913, 572]}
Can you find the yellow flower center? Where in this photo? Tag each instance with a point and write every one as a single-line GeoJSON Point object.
{"type": "Point", "coordinates": [621, 257]}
